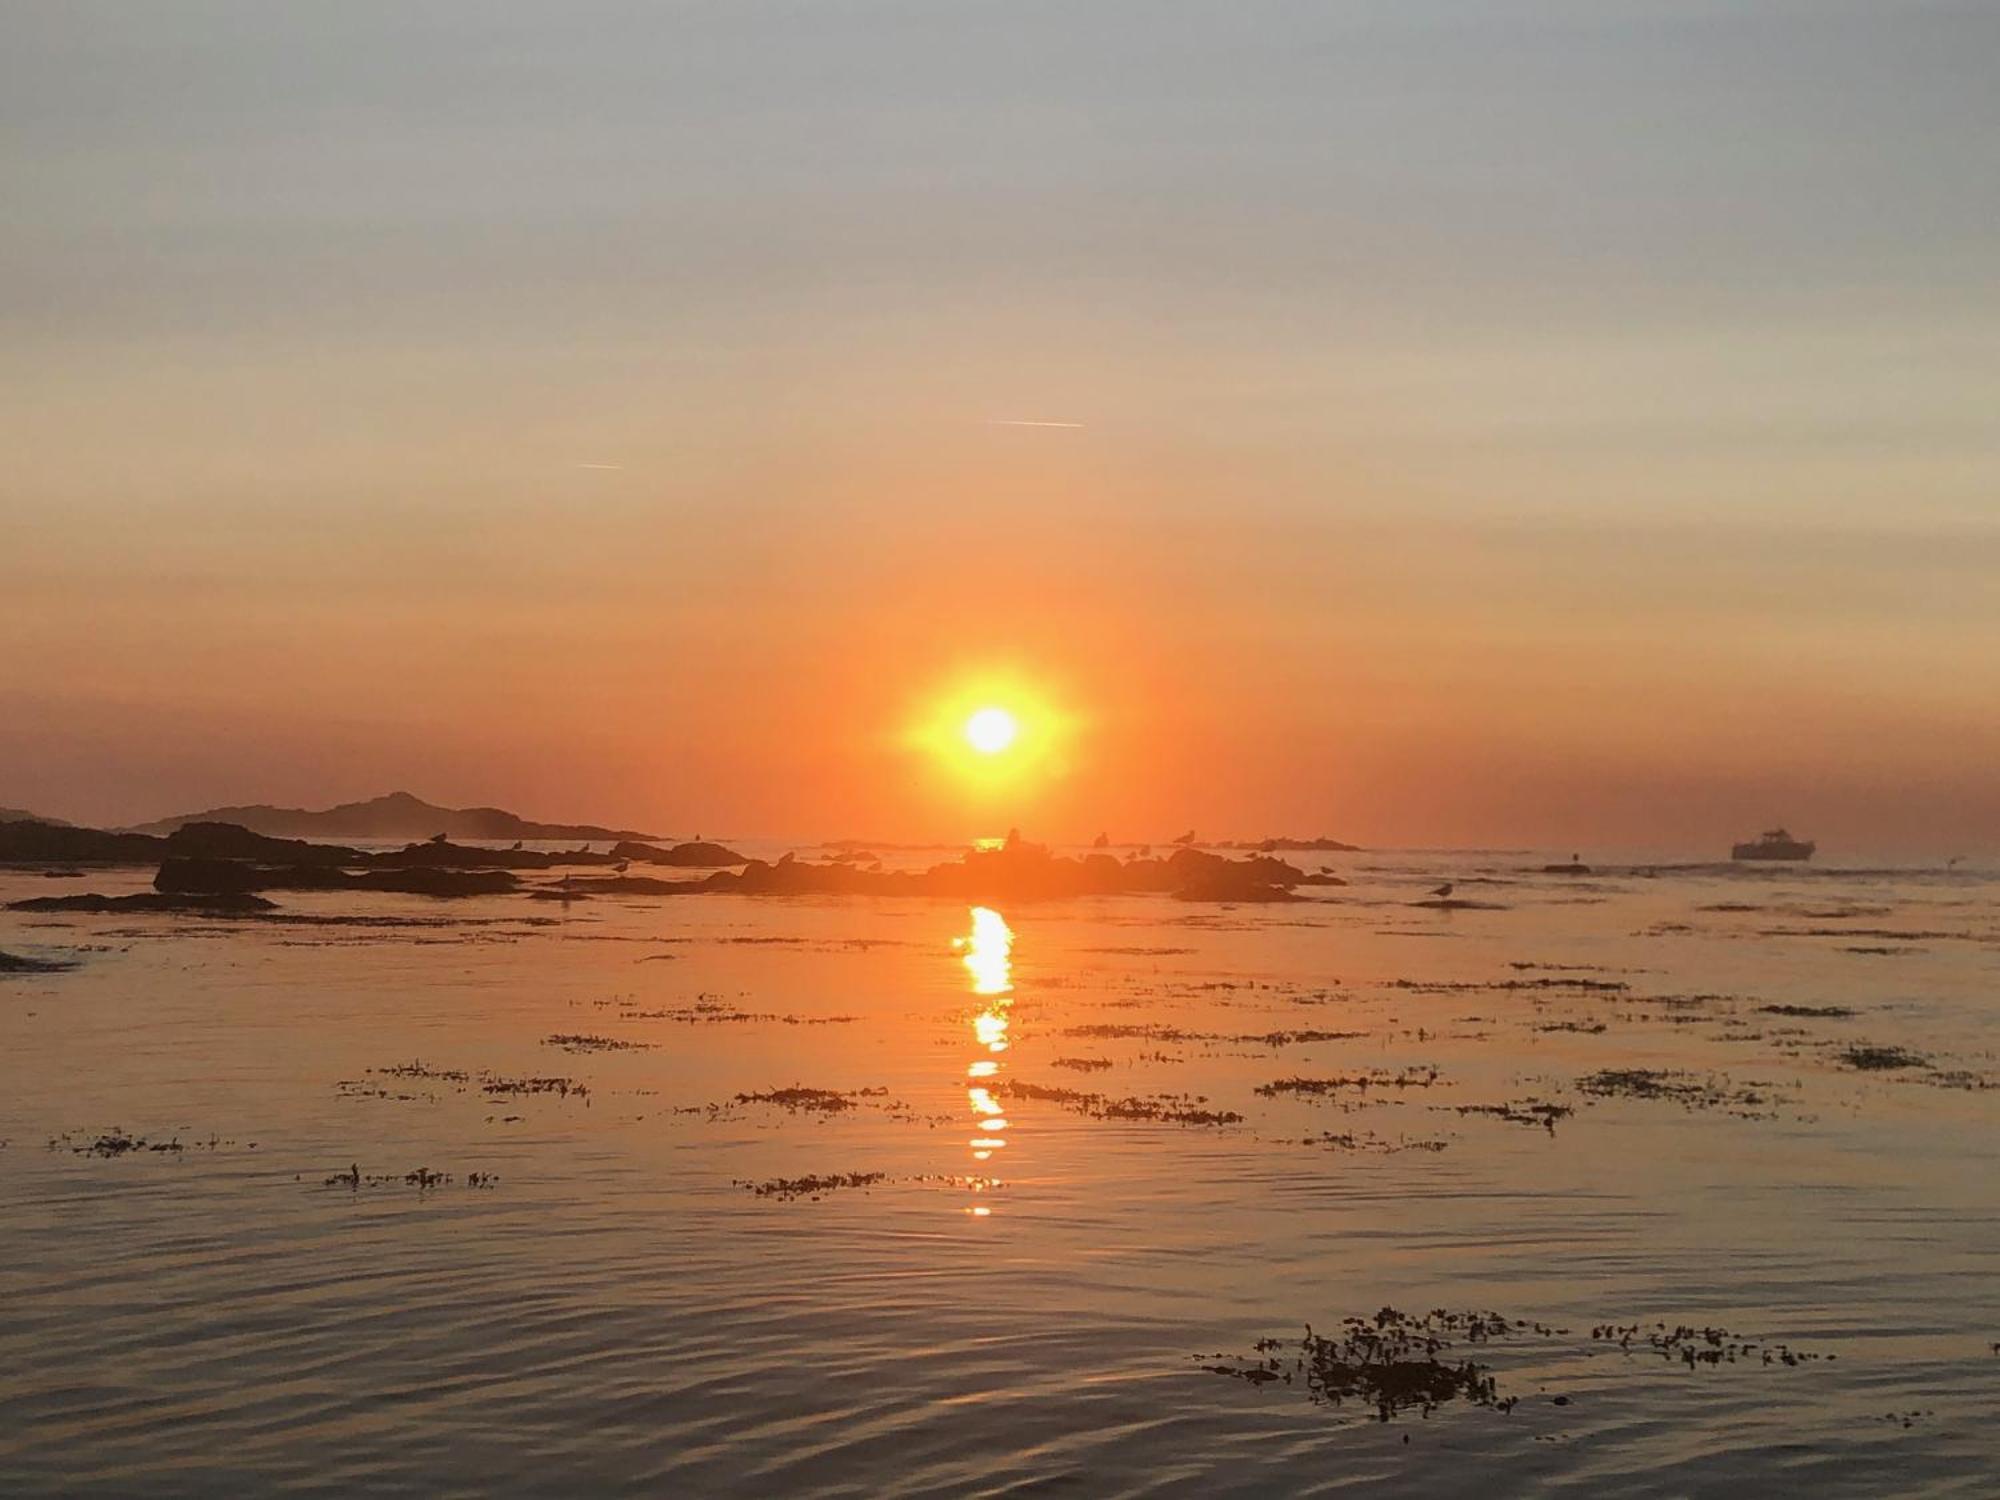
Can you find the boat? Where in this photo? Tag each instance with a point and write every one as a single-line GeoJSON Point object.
{"type": "Point", "coordinates": [1774, 843]}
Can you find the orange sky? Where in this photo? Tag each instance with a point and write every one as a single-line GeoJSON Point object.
{"type": "Point", "coordinates": [1533, 426]}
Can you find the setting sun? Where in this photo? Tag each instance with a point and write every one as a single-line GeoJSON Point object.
{"type": "Point", "coordinates": [992, 741]}
{"type": "Point", "coordinates": [991, 730]}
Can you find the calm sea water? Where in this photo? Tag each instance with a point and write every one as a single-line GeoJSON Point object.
{"type": "Point", "coordinates": [1029, 1296]}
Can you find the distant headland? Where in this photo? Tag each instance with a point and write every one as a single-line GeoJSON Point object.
{"type": "Point", "coordinates": [399, 815]}
{"type": "Point", "coordinates": [19, 815]}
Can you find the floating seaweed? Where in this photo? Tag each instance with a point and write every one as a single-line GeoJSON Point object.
{"type": "Point", "coordinates": [1374, 1078]}
{"type": "Point", "coordinates": [561, 1087]}
{"type": "Point", "coordinates": [708, 1009]}
{"type": "Point", "coordinates": [116, 1142]}
{"type": "Point", "coordinates": [819, 1101]}
{"type": "Point", "coordinates": [1528, 1112]}
{"type": "Point", "coordinates": [1293, 1038]}
{"type": "Point", "coordinates": [1172, 1109]}
{"type": "Point", "coordinates": [810, 1187]}
{"type": "Point", "coordinates": [1145, 1033]}
{"type": "Point", "coordinates": [1871, 1058]}
{"type": "Point", "coordinates": [1392, 1361]}
{"type": "Point", "coordinates": [1545, 982]}
{"type": "Point", "coordinates": [1389, 1362]}
{"type": "Point", "coordinates": [1369, 1141]}
{"type": "Point", "coordinates": [423, 1179]}
{"type": "Point", "coordinates": [420, 1069]}
{"type": "Point", "coordinates": [581, 1042]}
{"type": "Point", "coordinates": [1683, 1089]}
{"type": "Point", "coordinates": [1081, 1064]}
{"type": "Point", "coordinates": [1691, 1346]}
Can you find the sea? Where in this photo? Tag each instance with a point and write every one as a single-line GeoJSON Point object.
{"type": "Point", "coordinates": [1656, 1180]}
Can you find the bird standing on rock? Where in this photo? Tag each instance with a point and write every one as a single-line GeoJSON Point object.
{"type": "Point", "coordinates": [1443, 890]}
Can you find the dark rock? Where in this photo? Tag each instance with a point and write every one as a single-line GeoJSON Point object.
{"type": "Point", "coordinates": [225, 876]}
{"type": "Point", "coordinates": [698, 855]}
{"type": "Point", "coordinates": [232, 841]}
{"type": "Point", "coordinates": [1233, 883]}
{"type": "Point", "coordinates": [617, 885]}
{"type": "Point", "coordinates": [442, 854]}
{"type": "Point", "coordinates": [1320, 845]}
{"type": "Point", "coordinates": [14, 963]}
{"type": "Point", "coordinates": [426, 882]}
{"type": "Point", "coordinates": [39, 843]}
{"type": "Point", "coordinates": [235, 903]}
{"type": "Point", "coordinates": [1018, 871]}
{"type": "Point", "coordinates": [1869, 1058]}
{"type": "Point", "coordinates": [207, 876]}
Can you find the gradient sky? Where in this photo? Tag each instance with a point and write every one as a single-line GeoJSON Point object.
{"type": "Point", "coordinates": [1533, 423]}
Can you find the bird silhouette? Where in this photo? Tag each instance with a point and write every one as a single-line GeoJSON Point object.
{"type": "Point", "coordinates": [1443, 890]}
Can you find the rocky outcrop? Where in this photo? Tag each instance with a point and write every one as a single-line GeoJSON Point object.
{"type": "Point", "coordinates": [441, 854]}
{"type": "Point", "coordinates": [219, 867]}
{"type": "Point", "coordinates": [236, 903]}
{"type": "Point", "coordinates": [16, 963]}
{"type": "Point", "coordinates": [617, 885]}
{"type": "Point", "coordinates": [1022, 871]}
{"type": "Point", "coordinates": [227, 877]}
{"type": "Point", "coordinates": [1253, 879]}
{"type": "Point", "coordinates": [231, 841]}
{"type": "Point", "coordinates": [421, 882]}
{"type": "Point", "coordinates": [214, 877]}
{"type": "Point", "coordinates": [698, 855]}
{"type": "Point", "coordinates": [42, 843]}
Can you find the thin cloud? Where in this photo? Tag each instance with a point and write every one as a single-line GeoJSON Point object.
{"type": "Point", "coordinates": [619, 467]}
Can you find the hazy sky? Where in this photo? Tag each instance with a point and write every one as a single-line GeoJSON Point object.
{"type": "Point", "coordinates": [1556, 423]}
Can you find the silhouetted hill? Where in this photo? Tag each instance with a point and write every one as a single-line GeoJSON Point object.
{"type": "Point", "coordinates": [17, 815]}
{"type": "Point", "coordinates": [396, 816]}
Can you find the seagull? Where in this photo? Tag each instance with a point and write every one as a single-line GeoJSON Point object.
{"type": "Point", "coordinates": [1443, 890]}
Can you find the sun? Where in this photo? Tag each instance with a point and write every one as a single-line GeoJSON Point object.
{"type": "Point", "coordinates": [994, 734]}
{"type": "Point", "coordinates": [991, 730]}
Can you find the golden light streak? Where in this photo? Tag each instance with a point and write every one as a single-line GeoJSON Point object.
{"type": "Point", "coordinates": [989, 953]}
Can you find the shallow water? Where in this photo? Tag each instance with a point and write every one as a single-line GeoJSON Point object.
{"type": "Point", "coordinates": [624, 1310]}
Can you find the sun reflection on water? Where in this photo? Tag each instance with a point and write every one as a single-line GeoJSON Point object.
{"type": "Point", "coordinates": [988, 955]}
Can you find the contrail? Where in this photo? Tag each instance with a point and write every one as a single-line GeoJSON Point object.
{"type": "Point", "coordinates": [1026, 422]}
